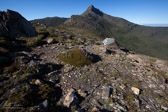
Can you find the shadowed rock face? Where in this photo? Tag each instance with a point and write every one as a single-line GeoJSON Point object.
{"type": "Point", "coordinates": [14, 25]}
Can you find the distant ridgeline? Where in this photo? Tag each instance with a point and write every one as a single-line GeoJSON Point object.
{"type": "Point", "coordinates": [156, 25]}
{"type": "Point", "coordinates": [151, 41]}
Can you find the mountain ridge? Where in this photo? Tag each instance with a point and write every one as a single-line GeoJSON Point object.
{"type": "Point", "coordinates": [150, 41]}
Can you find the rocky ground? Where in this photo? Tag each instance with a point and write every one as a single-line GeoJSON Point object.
{"type": "Point", "coordinates": [118, 81]}
{"type": "Point", "coordinates": [63, 71]}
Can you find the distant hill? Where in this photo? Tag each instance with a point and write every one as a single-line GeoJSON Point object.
{"type": "Point", "coordinates": [50, 21]}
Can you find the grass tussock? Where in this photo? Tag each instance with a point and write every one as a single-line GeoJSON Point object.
{"type": "Point", "coordinates": [75, 57]}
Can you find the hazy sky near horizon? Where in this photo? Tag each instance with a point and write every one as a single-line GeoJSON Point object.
{"type": "Point", "coordinates": [137, 11]}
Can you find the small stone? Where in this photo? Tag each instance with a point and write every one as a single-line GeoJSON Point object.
{"type": "Point", "coordinates": [79, 110]}
{"type": "Point", "coordinates": [38, 82]}
{"type": "Point", "coordinates": [122, 86]}
{"type": "Point", "coordinates": [95, 109]}
{"type": "Point", "coordinates": [50, 41]}
{"type": "Point", "coordinates": [148, 106]}
{"type": "Point", "coordinates": [135, 90]}
{"type": "Point", "coordinates": [139, 60]}
{"type": "Point", "coordinates": [164, 108]}
{"type": "Point", "coordinates": [82, 93]}
{"type": "Point", "coordinates": [105, 92]}
{"type": "Point", "coordinates": [121, 107]}
{"type": "Point", "coordinates": [53, 73]}
{"type": "Point", "coordinates": [44, 105]}
{"type": "Point", "coordinates": [70, 99]}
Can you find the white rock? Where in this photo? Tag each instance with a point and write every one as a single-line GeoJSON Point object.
{"type": "Point", "coordinates": [50, 40]}
{"type": "Point", "coordinates": [135, 90]}
{"type": "Point", "coordinates": [108, 41]}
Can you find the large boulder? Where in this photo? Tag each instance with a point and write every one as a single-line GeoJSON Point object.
{"type": "Point", "coordinates": [111, 44]}
{"type": "Point", "coordinates": [14, 25]}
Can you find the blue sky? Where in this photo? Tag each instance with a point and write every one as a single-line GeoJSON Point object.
{"type": "Point", "coordinates": [137, 11]}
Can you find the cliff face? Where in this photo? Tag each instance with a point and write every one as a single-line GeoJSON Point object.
{"type": "Point", "coordinates": [13, 25]}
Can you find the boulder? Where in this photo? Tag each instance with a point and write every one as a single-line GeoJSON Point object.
{"type": "Point", "coordinates": [110, 45]}
{"type": "Point", "coordinates": [14, 25]}
{"type": "Point", "coordinates": [108, 41]}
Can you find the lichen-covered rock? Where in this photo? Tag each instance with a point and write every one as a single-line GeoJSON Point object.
{"type": "Point", "coordinates": [13, 25]}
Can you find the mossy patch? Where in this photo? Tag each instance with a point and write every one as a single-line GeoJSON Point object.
{"type": "Point", "coordinates": [75, 57]}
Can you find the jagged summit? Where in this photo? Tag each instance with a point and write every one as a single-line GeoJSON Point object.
{"type": "Point", "coordinates": [92, 9]}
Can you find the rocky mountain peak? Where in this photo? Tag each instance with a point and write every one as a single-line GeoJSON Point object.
{"type": "Point", "coordinates": [92, 9]}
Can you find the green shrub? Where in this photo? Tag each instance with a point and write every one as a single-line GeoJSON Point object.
{"type": "Point", "coordinates": [75, 57]}
{"type": "Point", "coordinates": [29, 42]}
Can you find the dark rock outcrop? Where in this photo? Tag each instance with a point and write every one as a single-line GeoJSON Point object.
{"type": "Point", "coordinates": [14, 25]}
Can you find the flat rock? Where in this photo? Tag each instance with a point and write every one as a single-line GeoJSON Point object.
{"type": "Point", "coordinates": [105, 92]}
